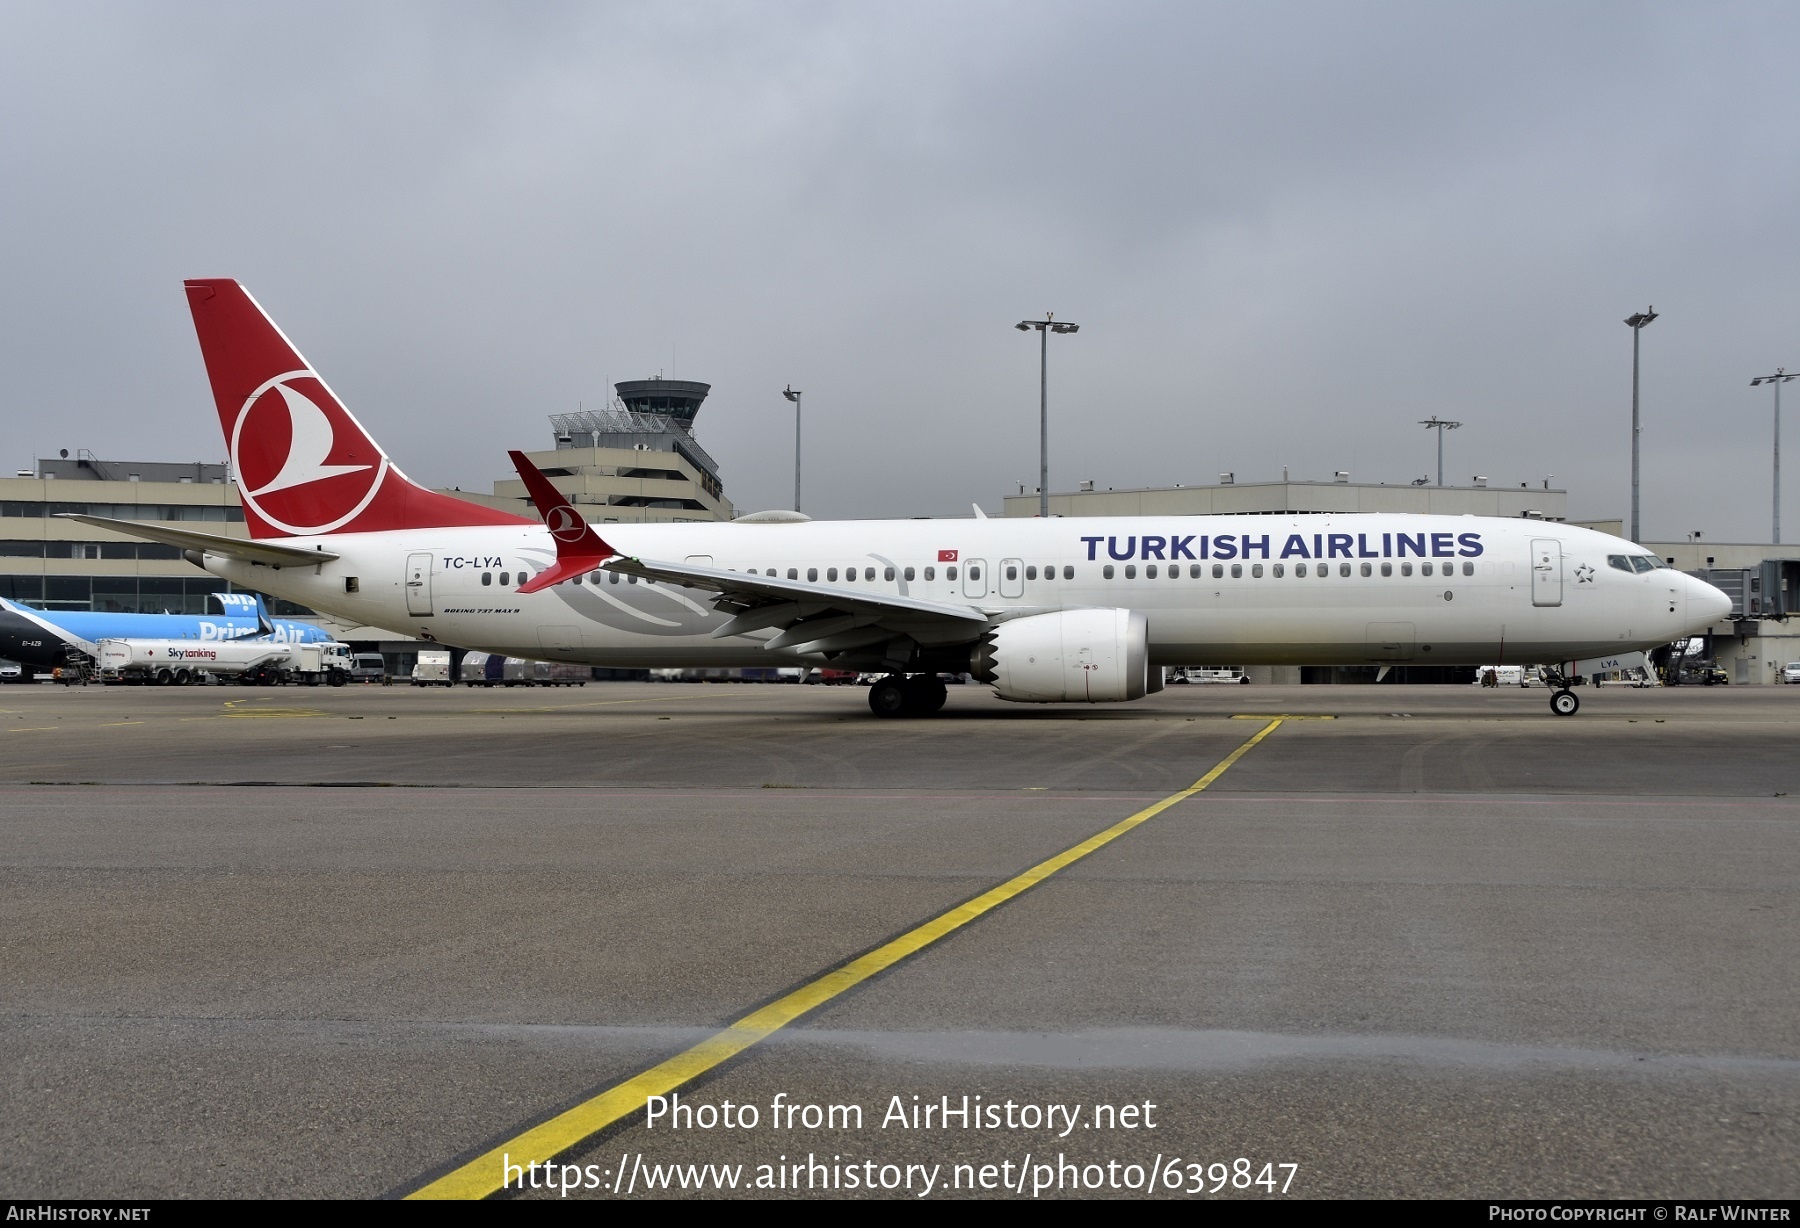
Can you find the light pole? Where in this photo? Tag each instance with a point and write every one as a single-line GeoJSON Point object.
{"type": "Point", "coordinates": [793, 395]}
{"type": "Point", "coordinates": [1778, 379]}
{"type": "Point", "coordinates": [1049, 324]}
{"type": "Point", "coordinates": [1637, 322]}
{"type": "Point", "coordinates": [1440, 425]}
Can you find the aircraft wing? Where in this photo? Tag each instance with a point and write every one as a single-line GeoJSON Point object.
{"type": "Point", "coordinates": [267, 553]}
{"type": "Point", "coordinates": [811, 617]}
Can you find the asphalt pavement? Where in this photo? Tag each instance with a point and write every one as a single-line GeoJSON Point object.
{"type": "Point", "coordinates": [1417, 941]}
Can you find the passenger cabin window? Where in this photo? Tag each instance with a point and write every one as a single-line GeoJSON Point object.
{"type": "Point", "coordinates": [1387, 569]}
{"type": "Point", "coordinates": [1278, 570]}
{"type": "Point", "coordinates": [1343, 569]}
{"type": "Point", "coordinates": [1193, 571]}
{"type": "Point", "coordinates": [974, 572]}
{"type": "Point", "coordinates": [1367, 570]}
{"type": "Point", "coordinates": [612, 577]}
{"type": "Point", "coordinates": [1406, 569]}
{"type": "Point", "coordinates": [869, 573]}
{"type": "Point", "coordinates": [487, 577]}
{"type": "Point", "coordinates": [1218, 570]}
{"type": "Point", "coordinates": [1237, 570]}
{"type": "Point", "coordinates": [793, 573]}
{"type": "Point", "coordinates": [1068, 572]}
{"type": "Point", "coordinates": [887, 573]}
{"type": "Point", "coordinates": [504, 577]}
{"type": "Point", "coordinates": [1107, 571]}
{"type": "Point", "coordinates": [1468, 568]}
{"type": "Point", "coordinates": [949, 573]}
{"type": "Point", "coordinates": [1299, 569]}
{"type": "Point", "coordinates": [849, 575]}
{"type": "Point", "coordinates": [908, 573]}
{"type": "Point", "coordinates": [931, 573]}
{"type": "Point", "coordinates": [1256, 570]}
{"type": "Point", "coordinates": [1030, 571]}
{"type": "Point", "coordinates": [1150, 571]}
{"type": "Point", "coordinates": [1012, 571]}
{"type": "Point", "coordinates": [812, 574]}
{"type": "Point", "coordinates": [1424, 569]}
{"type": "Point", "coordinates": [1131, 571]}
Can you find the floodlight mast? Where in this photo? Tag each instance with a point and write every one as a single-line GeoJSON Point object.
{"type": "Point", "coordinates": [793, 394]}
{"type": "Point", "coordinates": [1440, 425]}
{"type": "Point", "coordinates": [1778, 379]}
{"type": "Point", "coordinates": [1636, 321]}
{"type": "Point", "coordinates": [1049, 324]}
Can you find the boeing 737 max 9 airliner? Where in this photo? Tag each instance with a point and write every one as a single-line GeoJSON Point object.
{"type": "Point", "coordinates": [1047, 611]}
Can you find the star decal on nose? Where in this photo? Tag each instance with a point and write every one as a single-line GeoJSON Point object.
{"type": "Point", "coordinates": [1584, 574]}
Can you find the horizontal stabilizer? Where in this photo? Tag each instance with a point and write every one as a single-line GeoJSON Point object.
{"type": "Point", "coordinates": [265, 552]}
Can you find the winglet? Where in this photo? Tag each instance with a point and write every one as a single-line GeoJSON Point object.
{"type": "Point", "coordinates": [578, 547]}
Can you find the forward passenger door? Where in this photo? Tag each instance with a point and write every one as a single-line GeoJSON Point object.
{"type": "Point", "coordinates": [1546, 571]}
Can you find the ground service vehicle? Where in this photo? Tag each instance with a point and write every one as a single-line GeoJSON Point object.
{"type": "Point", "coordinates": [432, 668]}
{"type": "Point", "coordinates": [1061, 610]}
{"type": "Point", "coordinates": [183, 662]}
{"type": "Point", "coordinates": [315, 663]}
{"type": "Point", "coordinates": [367, 667]}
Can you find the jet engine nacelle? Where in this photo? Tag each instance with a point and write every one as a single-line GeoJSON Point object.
{"type": "Point", "coordinates": [1075, 656]}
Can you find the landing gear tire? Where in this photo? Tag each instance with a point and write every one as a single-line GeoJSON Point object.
{"type": "Point", "coordinates": [1565, 703]}
{"type": "Point", "coordinates": [888, 697]}
{"type": "Point", "coordinates": [925, 694]}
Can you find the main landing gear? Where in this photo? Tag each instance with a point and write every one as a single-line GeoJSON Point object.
{"type": "Point", "coordinates": [1563, 701]}
{"type": "Point", "coordinates": [900, 695]}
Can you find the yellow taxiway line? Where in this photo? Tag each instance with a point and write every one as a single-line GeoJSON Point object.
{"type": "Point", "coordinates": [483, 1175]}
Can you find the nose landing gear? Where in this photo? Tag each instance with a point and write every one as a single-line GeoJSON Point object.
{"type": "Point", "coordinates": [1563, 701]}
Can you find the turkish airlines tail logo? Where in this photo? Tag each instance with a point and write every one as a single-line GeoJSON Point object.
{"type": "Point", "coordinates": [302, 467]}
{"type": "Point", "coordinates": [303, 464]}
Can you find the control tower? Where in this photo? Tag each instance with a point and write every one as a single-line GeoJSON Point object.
{"type": "Point", "coordinates": [677, 399]}
{"type": "Point", "coordinates": [638, 455]}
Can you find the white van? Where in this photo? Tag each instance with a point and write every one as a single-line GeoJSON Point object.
{"type": "Point", "coordinates": [367, 667]}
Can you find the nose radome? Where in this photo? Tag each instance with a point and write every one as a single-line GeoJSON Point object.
{"type": "Point", "coordinates": [1705, 602]}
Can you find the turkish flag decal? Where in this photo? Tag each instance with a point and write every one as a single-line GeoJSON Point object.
{"type": "Point", "coordinates": [946, 556]}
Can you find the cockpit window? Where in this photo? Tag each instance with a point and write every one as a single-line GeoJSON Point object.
{"type": "Point", "coordinates": [1619, 562]}
{"type": "Point", "coordinates": [1643, 562]}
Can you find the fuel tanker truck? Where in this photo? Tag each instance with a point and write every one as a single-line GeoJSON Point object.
{"type": "Point", "coordinates": [249, 661]}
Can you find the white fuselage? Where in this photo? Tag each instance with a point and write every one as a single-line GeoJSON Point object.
{"type": "Point", "coordinates": [1215, 589]}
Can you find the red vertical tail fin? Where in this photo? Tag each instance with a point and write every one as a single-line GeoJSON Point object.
{"type": "Point", "coordinates": [302, 463]}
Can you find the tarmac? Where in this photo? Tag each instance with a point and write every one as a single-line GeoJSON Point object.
{"type": "Point", "coordinates": [1414, 942]}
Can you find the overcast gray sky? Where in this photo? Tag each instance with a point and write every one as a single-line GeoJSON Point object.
{"type": "Point", "coordinates": [1288, 231]}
